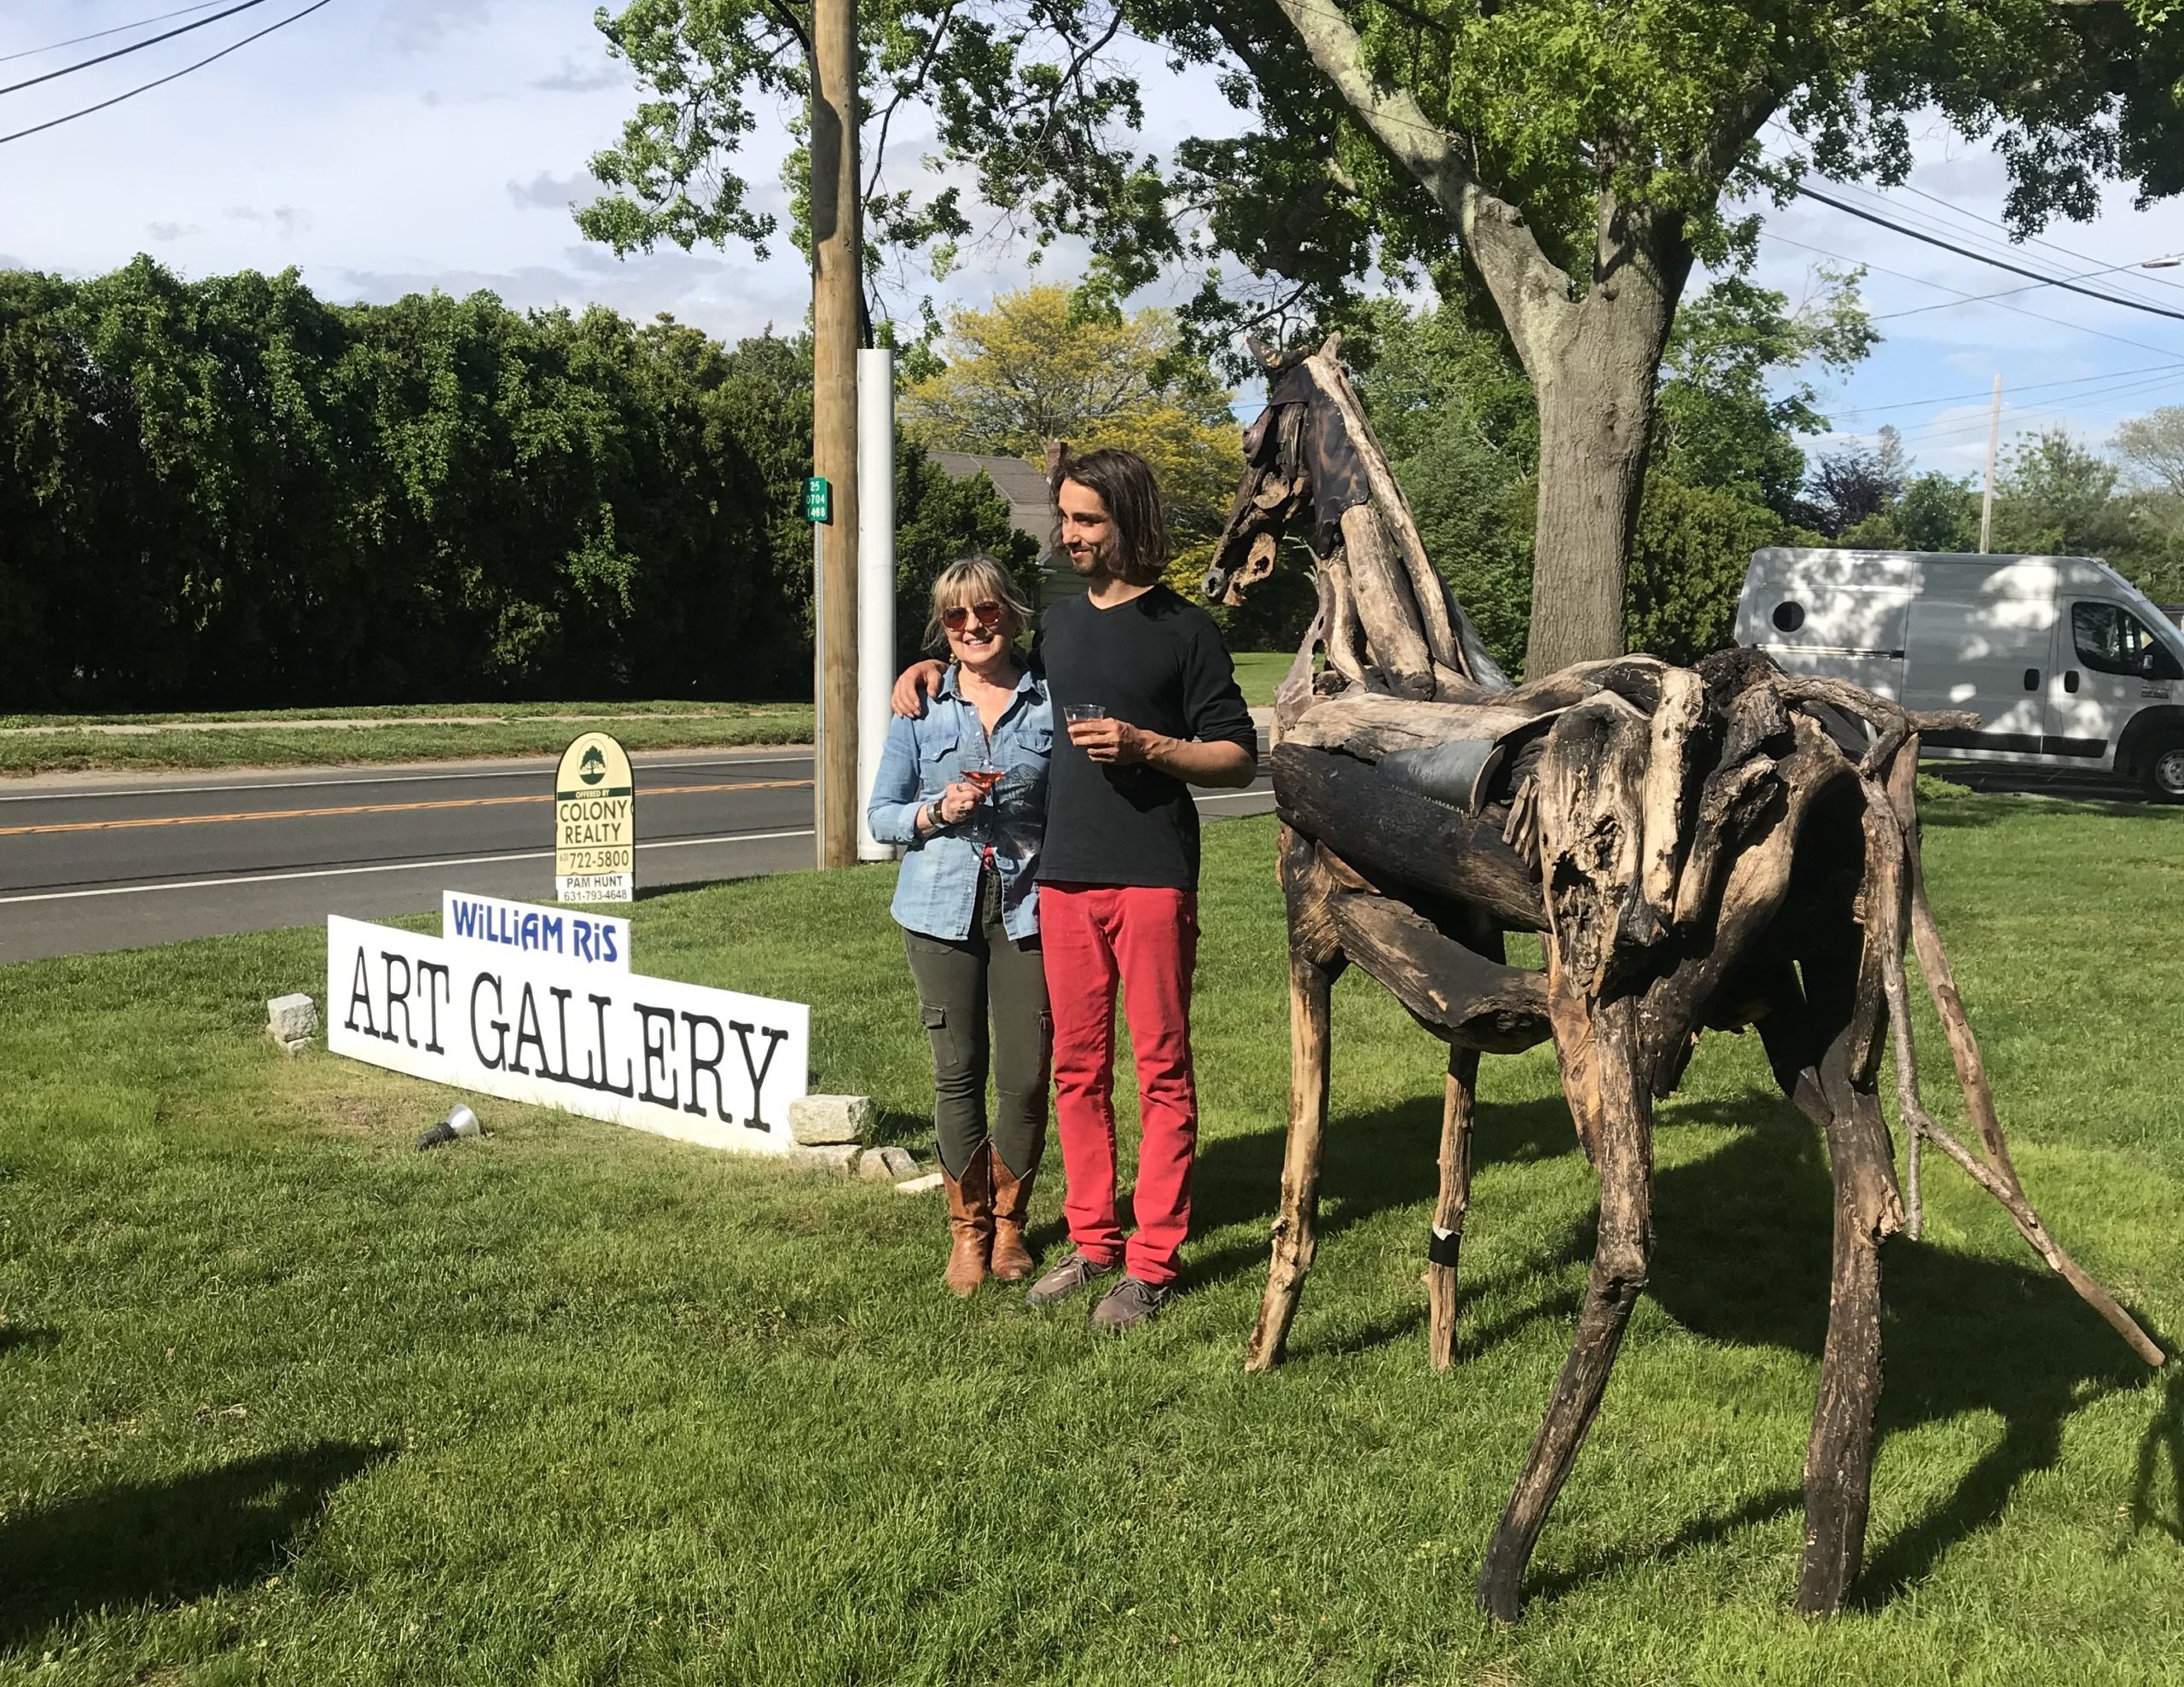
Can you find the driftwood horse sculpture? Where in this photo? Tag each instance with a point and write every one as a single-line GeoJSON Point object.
{"type": "Point", "coordinates": [1722, 846]}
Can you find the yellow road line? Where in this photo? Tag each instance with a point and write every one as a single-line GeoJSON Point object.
{"type": "Point", "coordinates": [371, 808]}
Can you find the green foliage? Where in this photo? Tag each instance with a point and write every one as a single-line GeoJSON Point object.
{"type": "Point", "coordinates": [228, 492]}
{"type": "Point", "coordinates": [1050, 363]}
{"type": "Point", "coordinates": [939, 520]}
{"type": "Point", "coordinates": [1720, 420]}
{"type": "Point", "coordinates": [1928, 512]}
{"type": "Point", "coordinates": [1689, 565]}
{"type": "Point", "coordinates": [1553, 103]}
{"type": "Point", "coordinates": [1514, 152]}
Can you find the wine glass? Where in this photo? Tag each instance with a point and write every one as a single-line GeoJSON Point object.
{"type": "Point", "coordinates": [980, 770]}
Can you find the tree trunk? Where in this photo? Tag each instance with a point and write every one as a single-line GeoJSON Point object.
{"type": "Point", "coordinates": [1596, 392]}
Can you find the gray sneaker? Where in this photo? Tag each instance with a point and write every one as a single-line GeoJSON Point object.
{"type": "Point", "coordinates": [1128, 1304]}
{"type": "Point", "coordinates": [1071, 1273]}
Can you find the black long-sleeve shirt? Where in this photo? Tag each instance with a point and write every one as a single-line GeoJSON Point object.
{"type": "Point", "coordinates": [1156, 662]}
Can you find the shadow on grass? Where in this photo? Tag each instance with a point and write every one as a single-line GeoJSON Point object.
{"type": "Point", "coordinates": [2164, 1434]}
{"type": "Point", "coordinates": [170, 1542]}
{"type": "Point", "coordinates": [1373, 1161]}
{"type": "Point", "coordinates": [1745, 1236]}
{"type": "Point", "coordinates": [15, 1335]}
{"type": "Point", "coordinates": [1984, 798]}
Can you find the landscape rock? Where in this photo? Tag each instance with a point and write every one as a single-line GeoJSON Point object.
{"type": "Point", "coordinates": [837, 1157]}
{"type": "Point", "coordinates": [886, 1165]}
{"type": "Point", "coordinates": [291, 1021]}
{"type": "Point", "coordinates": [823, 1120]}
{"type": "Point", "coordinates": [925, 1185]}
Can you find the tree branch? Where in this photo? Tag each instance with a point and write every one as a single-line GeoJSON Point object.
{"type": "Point", "coordinates": [1081, 58]}
{"type": "Point", "coordinates": [795, 28]}
{"type": "Point", "coordinates": [1524, 280]}
{"type": "Point", "coordinates": [902, 91]}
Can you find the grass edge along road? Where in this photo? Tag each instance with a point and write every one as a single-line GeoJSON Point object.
{"type": "Point", "coordinates": [32, 744]}
{"type": "Point", "coordinates": [291, 1402]}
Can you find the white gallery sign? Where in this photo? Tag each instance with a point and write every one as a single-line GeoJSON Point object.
{"type": "Point", "coordinates": [707, 1066]}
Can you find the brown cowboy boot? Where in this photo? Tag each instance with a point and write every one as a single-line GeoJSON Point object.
{"type": "Point", "coordinates": [970, 1221]}
{"type": "Point", "coordinates": [1012, 1202]}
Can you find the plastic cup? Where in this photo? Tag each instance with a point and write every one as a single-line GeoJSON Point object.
{"type": "Point", "coordinates": [1085, 711]}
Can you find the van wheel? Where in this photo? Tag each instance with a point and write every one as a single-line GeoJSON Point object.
{"type": "Point", "coordinates": [2164, 772]}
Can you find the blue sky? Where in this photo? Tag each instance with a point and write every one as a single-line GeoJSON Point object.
{"type": "Point", "coordinates": [382, 146]}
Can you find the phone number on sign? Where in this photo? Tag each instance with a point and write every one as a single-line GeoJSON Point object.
{"type": "Point", "coordinates": [592, 861]}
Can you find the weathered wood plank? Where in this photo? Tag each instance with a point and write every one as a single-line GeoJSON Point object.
{"type": "Point", "coordinates": [1399, 837]}
{"type": "Point", "coordinates": [1455, 993]}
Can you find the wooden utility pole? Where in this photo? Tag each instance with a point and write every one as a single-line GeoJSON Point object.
{"type": "Point", "coordinates": [1987, 499]}
{"type": "Point", "coordinates": [837, 316]}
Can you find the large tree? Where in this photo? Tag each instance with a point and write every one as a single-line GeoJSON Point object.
{"type": "Point", "coordinates": [1568, 157]}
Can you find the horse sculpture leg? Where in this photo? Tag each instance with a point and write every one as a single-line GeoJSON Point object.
{"type": "Point", "coordinates": [1459, 1103]}
{"type": "Point", "coordinates": [1839, 1457]}
{"type": "Point", "coordinates": [1296, 1231]}
{"type": "Point", "coordinates": [1846, 997]}
{"type": "Point", "coordinates": [1620, 1262]}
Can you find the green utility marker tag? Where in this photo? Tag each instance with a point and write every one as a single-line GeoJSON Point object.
{"type": "Point", "coordinates": [818, 499]}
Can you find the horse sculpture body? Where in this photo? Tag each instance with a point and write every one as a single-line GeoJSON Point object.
{"type": "Point", "coordinates": [1722, 847]}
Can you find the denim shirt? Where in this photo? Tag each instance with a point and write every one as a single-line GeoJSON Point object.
{"type": "Point", "coordinates": [936, 891]}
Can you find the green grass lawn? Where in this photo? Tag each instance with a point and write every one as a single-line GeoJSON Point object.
{"type": "Point", "coordinates": [288, 1401]}
{"type": "Point", "coordinates": [1258, 672]}
{"type": "Point", "coordinates": [31, 744]}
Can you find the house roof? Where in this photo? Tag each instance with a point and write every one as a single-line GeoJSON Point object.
{"type": "Point", "coordinates": [1030, 505]}
{"type": "Point", "coordinates": [1030, 510]}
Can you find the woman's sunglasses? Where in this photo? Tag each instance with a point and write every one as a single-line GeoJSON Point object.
{"type": "Point", "coordinates": [957, 619]}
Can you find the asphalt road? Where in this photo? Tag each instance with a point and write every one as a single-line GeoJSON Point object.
{"type": "Point", "coordinates": [90, 863]}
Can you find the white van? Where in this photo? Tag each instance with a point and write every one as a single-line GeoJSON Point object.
{"type": "Point", "coordinates": [2067, 664]}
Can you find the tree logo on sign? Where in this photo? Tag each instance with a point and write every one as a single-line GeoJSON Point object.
{"type": "Point", "coordinates": [594, 768]}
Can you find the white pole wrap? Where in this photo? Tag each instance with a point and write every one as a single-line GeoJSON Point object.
{"type": "Point", "coordinates": [875, 585]}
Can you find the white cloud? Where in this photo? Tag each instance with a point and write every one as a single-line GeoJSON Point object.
{"type": "Point", "coordinates": [413, 26]}
{"type": "Point", "coordinates": [548, 192]}
{"type": "Point", "coordinates": [166, 231]}
{"type": "Point", "coordinates": [574, 79]}
{"type": "Point", "coordinates": [285, 220]}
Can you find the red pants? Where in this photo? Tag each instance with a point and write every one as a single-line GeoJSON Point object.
{"type": "Point", "coordinates": [1146, 940]}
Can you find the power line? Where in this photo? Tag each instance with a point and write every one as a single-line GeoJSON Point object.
{"type": "Point", "coordinates": [101, 34]}
{"type": "Point", "coordinates": [1967, 298]}
{"type": "Point", "coordinates": [54, 123]}
{"type": "Point", "coordinates": [1988, 298]}
{"type": "Point", "coordinates": [133, 47]}
{"type": "Point", "coordinates": [2034, 239]}
{"type": "Point", "coordinates": [2068, 286]}
{"type": "Point", "coordinates": [2127, 377]}
{"type": "Point", "coordinates": [2013, 243]}
{"type": "Point", "coordinates": [1951, 431]}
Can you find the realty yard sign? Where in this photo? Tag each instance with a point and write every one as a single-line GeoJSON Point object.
{"type": "Point", "coordinates": [595, 823]}
{"type": "Point", "coordinates": [538, 1005]}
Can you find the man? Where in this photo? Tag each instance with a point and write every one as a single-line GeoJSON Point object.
{"type": "Point", "coordinates": [1149, 697]}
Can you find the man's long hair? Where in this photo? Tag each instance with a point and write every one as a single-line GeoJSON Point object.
{"type": "Point", "coordinates": [1125, 482]}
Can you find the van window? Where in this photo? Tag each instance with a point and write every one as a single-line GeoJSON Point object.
{"type": "Point", "coordinates": [2110, 639]}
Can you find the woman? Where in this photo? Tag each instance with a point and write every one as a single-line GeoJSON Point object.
{"type": "Point", "coordinates": [967, 903]}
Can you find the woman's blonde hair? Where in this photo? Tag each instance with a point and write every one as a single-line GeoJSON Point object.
{"type": "Point", "coordinates": [976, 579]}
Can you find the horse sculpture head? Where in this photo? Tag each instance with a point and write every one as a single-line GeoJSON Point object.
{"type": "Point", "coordinates": [1386, 621]}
